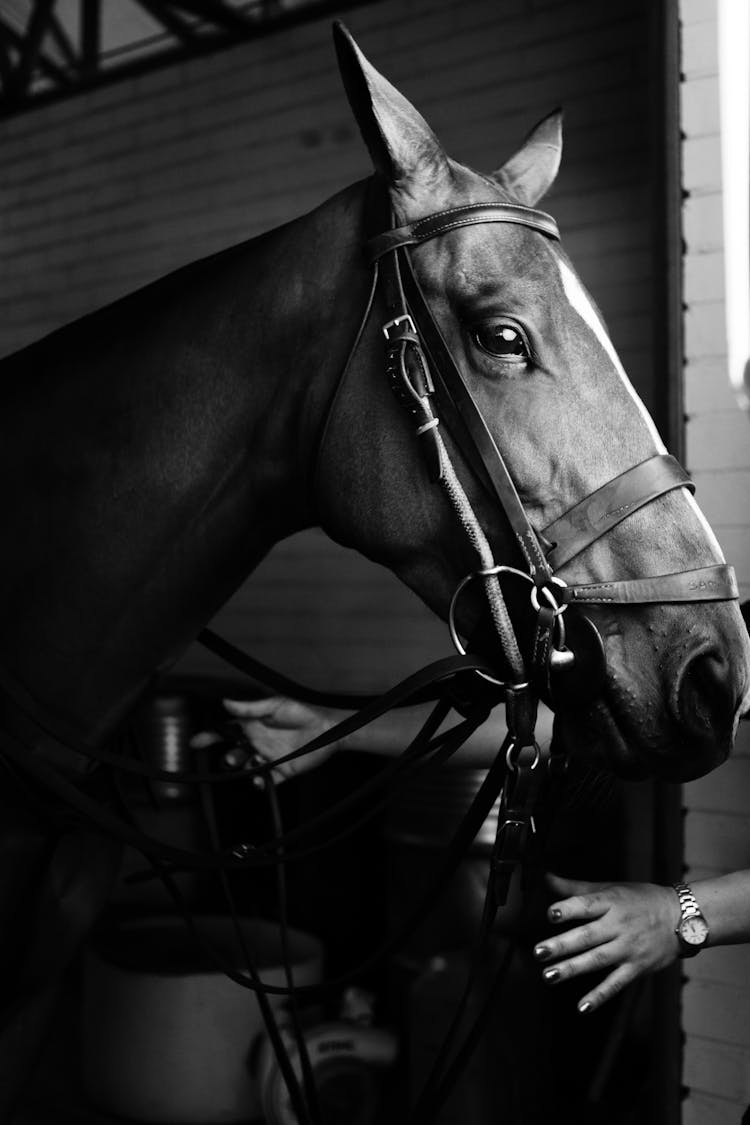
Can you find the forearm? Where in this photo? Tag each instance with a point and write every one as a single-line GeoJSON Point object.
{"type": "Point", "coordinates": [725, 903]}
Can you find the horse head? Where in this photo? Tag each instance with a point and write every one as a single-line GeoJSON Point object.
{"type": "Point", "coordinates": [533, 351]}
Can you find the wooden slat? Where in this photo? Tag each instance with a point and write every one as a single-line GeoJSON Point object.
{"type": "Point", "coordinates": [718, 1010]}
{"type": "Point", "coordinates": [703, 1109]}
{"type": "Point", "coordinates": [724, 790]}
{"type": "Point", "coordinates": [717, 840]}
{"type": "Point", "coordinates": [721, 1069]}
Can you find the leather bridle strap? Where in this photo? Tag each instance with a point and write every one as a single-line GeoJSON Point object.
{"type": "Point", "coordinates": [456, 400]}
{"type": "Point", "coordinates": [603, 509]}
{"type": "Point", "coordinates": [468, 214]}
{"type": "Point", "coordinates": [595, 515]}
{"type": "Point", "coordinates": [706, 584]}
{"type": "Point", "coordinates": [408, 307]}
{"type": "Point", "coordinates": [422, 370]}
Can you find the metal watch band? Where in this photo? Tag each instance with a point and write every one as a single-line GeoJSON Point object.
{"type": "Point", "coordinates": [688, 902]}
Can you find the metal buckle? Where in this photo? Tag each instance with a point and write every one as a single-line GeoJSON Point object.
{"type": "Point", "coordinates": [396, 323]}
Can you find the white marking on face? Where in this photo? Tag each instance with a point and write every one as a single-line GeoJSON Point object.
{"type": "Point", "coordinates": [713, 542]}
{"type": "Point", "coordinates": [581, 302]}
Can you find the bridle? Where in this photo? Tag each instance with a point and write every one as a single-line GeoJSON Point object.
{"type": "Point", "coordinates": [426, 379]}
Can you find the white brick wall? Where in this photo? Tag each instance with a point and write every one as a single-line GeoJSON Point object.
{"type": "Point", "coordinates": [716, 999]}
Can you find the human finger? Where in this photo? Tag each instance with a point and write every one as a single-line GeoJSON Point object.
{"type": "Point", "coordinates": [607, 989]}
{"type": "Point", "coordinates": [566, 888]}
{"type": "Point", "coordinates": [203, 739]}
{"type": "Point", "coordinates": [591, 961]}
{"type": "Point", "coordinates": [575, 941]}
{"type": "Point", "coordinates": [580, 906]}
{"type": "Point", "coordinates": [252, 708]}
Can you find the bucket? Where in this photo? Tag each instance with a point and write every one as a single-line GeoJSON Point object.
{"type": "Point", "coordinates": [166, 1037]}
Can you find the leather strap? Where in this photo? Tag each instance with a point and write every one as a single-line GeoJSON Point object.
{"type": "Point", "coordinates": [455, 398]}
{"type": "Point", "coordinates": [706, 584]}
{"type": "Point", "coordinates": [603, 509]}
{"type": "Point", "coordinates": [413, 333]}
{"type": "Point", "coordinates": [469, 214]}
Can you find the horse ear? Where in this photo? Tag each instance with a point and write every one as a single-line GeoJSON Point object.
{"type": "Point", "coordinates": [403, 148]}
{"type": "Point", "coordinates": [529, 174]}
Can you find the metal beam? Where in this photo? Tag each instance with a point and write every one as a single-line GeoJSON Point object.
{"type": "Point", "coordinates": [83, 68]}
{"type": "Point", "coordinates": [169, 20]}
{"type": "Point", "coordinates": [31, 48]}
{"type": "Point", "coordinates": [6, 66]}
{"type": "Point", "coordinates": [216, 12]}
{"type": "Point", "coordinates": [51, 70]}
{"type": "Point", "coordinates": [62, 42]}
{"type": "Point", "coordinates": [91, 30]}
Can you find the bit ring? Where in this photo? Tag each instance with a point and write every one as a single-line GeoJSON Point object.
{"type": "Point", "coordinates": [554, 605]}
{"type": "Point", "coordinates": [486, 572]}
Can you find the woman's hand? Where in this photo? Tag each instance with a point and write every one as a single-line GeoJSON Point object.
{"type": "Point", "coordinates": [628, 928]}
{"type": "Point", "coordinates": [277, 726]}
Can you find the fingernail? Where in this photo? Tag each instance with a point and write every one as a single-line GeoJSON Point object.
{"type": "Point", "coordinates": [585, 1006]}
{"type": "Point", "coordinates": [541, 952]}
{"type": "Point", "coordinates": [551, 975]}
{"type": "Point", "coordinates": [555, 915]}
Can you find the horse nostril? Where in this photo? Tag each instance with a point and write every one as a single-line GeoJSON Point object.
{"type": "Point", "coordinates": [707, 698]}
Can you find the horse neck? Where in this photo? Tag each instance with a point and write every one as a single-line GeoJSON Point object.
{"type": "Point", "coordinates": [155, 451]}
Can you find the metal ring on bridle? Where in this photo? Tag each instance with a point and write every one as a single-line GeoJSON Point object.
{"type": "Point", "coordinates": [487, 572]}
{"type": "Point", "coordinates": [512, 763]}
{"type": "Point", "coordinates": [549, 596]}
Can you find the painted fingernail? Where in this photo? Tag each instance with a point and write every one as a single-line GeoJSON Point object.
{"type": "Point", "coordinates": [551, 975]}
{"type": "Point", "coordinates": [555, 915]}
{"type": "Point", "coordinates": [541, 952]}
{"type": "Point", "coordinates": [585, 1006]}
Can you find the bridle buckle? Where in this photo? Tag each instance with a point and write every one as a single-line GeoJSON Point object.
{"type": "Point", "coordinates": [397, 323]}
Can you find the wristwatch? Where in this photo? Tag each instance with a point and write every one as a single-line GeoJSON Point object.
{"type": "Point", "coordinates": [692, 929]}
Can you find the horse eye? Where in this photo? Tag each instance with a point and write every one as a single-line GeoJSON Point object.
{"type": "Point", "coordinates": [501, 340]}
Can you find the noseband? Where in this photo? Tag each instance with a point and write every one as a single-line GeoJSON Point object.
{"type": "Point", "coordinates": [426, 379]}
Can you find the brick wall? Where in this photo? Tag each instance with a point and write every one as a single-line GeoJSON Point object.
{"type": "Point", "coordinates": [101, 193]}
{"type": "Point", "coordinates": [716, 998]}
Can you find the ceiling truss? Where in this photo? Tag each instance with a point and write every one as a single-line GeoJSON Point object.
{"type": "Point", "coordinates": [51, 50]}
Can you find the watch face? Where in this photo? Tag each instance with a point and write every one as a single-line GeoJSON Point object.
{"type": "Point", "coordinates": [694, 930]}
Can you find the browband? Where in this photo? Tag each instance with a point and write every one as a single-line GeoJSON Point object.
{"type": "Point", "coordinates": [466, 215]}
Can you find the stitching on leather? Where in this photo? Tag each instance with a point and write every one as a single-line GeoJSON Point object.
{"type": "Point", "coordinates": [463, 207]}
{"type": "Point", "coordinates": [474, 221]}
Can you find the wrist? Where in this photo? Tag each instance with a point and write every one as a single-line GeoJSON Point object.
{"type": "Point", "coordinates": [692, 930]}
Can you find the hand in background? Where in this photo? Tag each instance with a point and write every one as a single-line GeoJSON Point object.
{"type": "Point", "coordinates": [277, 726]}
{"type": "Point", "coordinates": [628, 928]}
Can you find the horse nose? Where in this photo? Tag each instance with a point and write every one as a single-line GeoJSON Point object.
{"type": "Point", "coordinates": [707, 697]}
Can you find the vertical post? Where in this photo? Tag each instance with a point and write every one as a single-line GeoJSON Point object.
{"type": "Point", "coordinates": [91, 21]}
{"type": "Point", "coordinates": [36, 29]}
{"type": "Point", "coordinates": [665, 69]}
